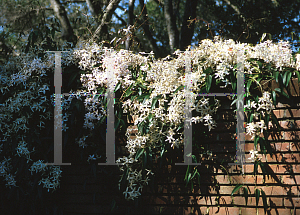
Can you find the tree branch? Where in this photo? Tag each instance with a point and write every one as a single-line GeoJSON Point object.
{"type": "Point", "coordinates": [105, 18]}
{"type": "Point", "coordinates": [159, 2]}
{"type": "Point", "coordinates": [148, 33]}
{"type": "Point", "coordinates": [187, 29]}
{"type": "Point", "coordinates": [171, 25]}
{"type": "Point", "coordinates": [60, 13]}
{"type": "Point", "coordinates": [95, 7]}
{"type": "Point", "coordinates": [120, 18]}
{"type": "Point", "coordinates": [130, 22]}
{"type": "Point", "coordinates": [236, 10]}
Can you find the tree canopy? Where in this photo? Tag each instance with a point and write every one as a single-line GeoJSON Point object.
{"type": "Point", "coordinates": [152, 25]}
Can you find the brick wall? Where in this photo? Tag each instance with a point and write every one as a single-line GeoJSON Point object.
{"type": "Point", "coordinates": [82, 193]}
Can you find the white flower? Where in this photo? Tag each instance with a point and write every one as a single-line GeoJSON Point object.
{"type": "Point", "coordinates": [253, 155]}
{"type": "Point", "coordinates": [251, 129]}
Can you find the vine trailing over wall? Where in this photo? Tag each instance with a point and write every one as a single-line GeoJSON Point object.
{"type": "Point", "coordinates": [152, 90]}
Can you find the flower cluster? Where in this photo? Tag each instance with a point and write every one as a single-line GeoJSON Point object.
{"type": "Point", "coordinates": [264, 104]}
{"type": "Point", "coordinates": [255, 128]}
{"type": "Point", "coordinates": [134, 178]}
{"type": "Point", "coordinates": [161, 78]}
{"type": "Point", "coordinates": [5, 167]}
{"type": "Point", "coordinates": [52, 181]}
{"type": "Point", "coordinates": [24, 87]}
{"type": "Point", "coordinates": [164, 76]}
{"type": "Point", "coordinates": [54, 174]}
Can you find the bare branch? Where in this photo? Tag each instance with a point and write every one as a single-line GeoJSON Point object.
{"type": "Point", "coordinates": [105, 18]}
{"type": "Point", "coordinates": [60, 13]}
{"type": "Point", "coordinates": [130, 22]}
{"type": "Point", "coordinates": [236, 10]}
{"type": "Point", "coordinates": [148, 33]}
{"type": "Point", "coordinates": [188, 25]}
{"type": "Point", "coordinates": [120, 18]}
{"type": "Point", "coordinates": [95, 7]}
{"type": "Point", "coordinates": [171, 25]}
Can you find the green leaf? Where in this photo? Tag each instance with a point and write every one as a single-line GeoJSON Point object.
{"type": "Point", "coordinates": [249, 85]}
{"type": "Point", "coordinates": [298, 75]}
{"type": "Point", "coordinates": [154, 100]}
{"type": "Point", "coordinates": [275, 120]}
{"type": "Point", "coordinates": [280, 80]}
{"type": "Point", "coordinates": [264, 198]}
{"type": "Point", "coordinates": [237, 187]}
{"type": "Point", "coordinates": [117, 123]}
{"type": "Point", "coordinates": [257, 194]}
{"type": "Point", "coordinates": [274, 97]}
{"type": "Point", "coordinates": [263, 37]}
{"type": "Point", "coordinates": [276, 74]}
{"type": "Point", "coordinates": [178, 88]}
{"type": "Point", "coordinates": [288, 77]}
{"type": "Point", "coordinates": [251, 118]}
{"type": "Point", "coordinates": [145, 159]}
{"type": "Point", "coordinates": [208, 82]}
{"type": "Point", "coordinates": [284, 78]}
{"type": "Point", "coordinates": [141, 126]}
{"type": "Point", "coordinates": [194, 158]}
{"type": "Point", "coordinates": [192, 186]}
{"type": "Point", "coordinates": [262, 143]}
{"type": "Point", "coordinates": [117, 86]}
{"type": "Point", "coordinates": [263, 169]}
{"type": "Point", "coordinates": [256, 138]}
{"type": "Point", "coordinates": [139, 153]}
{"type": "Point", "coordinates": [208, 70]}
{"type": "Point", "coordinates": [246, 195]}
{"type": "Point", "coordinates": [142, 86]}
{"type": "Point", "coordinates": [195, 172]}
{"type": "Point", "coordinates": [187, 172]}
{"type": "Point", "coordinates": [255, 167]}
{"type": "Point", "coordinates": [128, 91]}
{"type": "Point", "coordinates": [188, 179]}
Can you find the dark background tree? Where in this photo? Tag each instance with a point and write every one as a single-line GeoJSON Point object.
{"type": "Point", "coordinates": [159, 26]}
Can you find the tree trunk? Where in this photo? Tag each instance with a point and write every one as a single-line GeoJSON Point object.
{"type": "Point", "coordinates": [130, 23]}
{"type": "Point", "coordinates": [147, 31]}
{"type": "Point", "coordinates": [60, 13]}
{"type": "Point", "coordinates": [171, 25]}
{"type": "Point", "coordinates": [96, 9]}
{"type": "Point", "coordinates": [102, 28]}
{"type": "Point", "coordinates": [187, 29]}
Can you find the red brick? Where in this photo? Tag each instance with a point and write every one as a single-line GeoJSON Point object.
{"type": "Point", "coordinates": [284, 211]}
{"type": "Point", "coordinates": [282, 105]}
{"type": "Point", "coordinates": [294, 87]}
{"type": "Point", "coordinates": [243, 179]}
{"type": "Point", "coordinates": [292, 202]}
{"type": "Point", "coordinates": [212, 210]}
{"type": "Point", "coordinates": [279, 113]}
{"type": "Point", "coordinates": [279, 157]}
{"type": "Point", "coordinates": [276, 168]}
{"type": "Point", "coordinates": [291, 179]}
{"type": "Point", "coordinates": [252, 211]}
{"type": "Point", "coordinates": [290, 146]}
{"type": "Point", "coordinates": [292, 135]}
{"type": "Point", "coordinates": [290, 124]}
{"type": "Point", "coordinates": [292, 113]}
